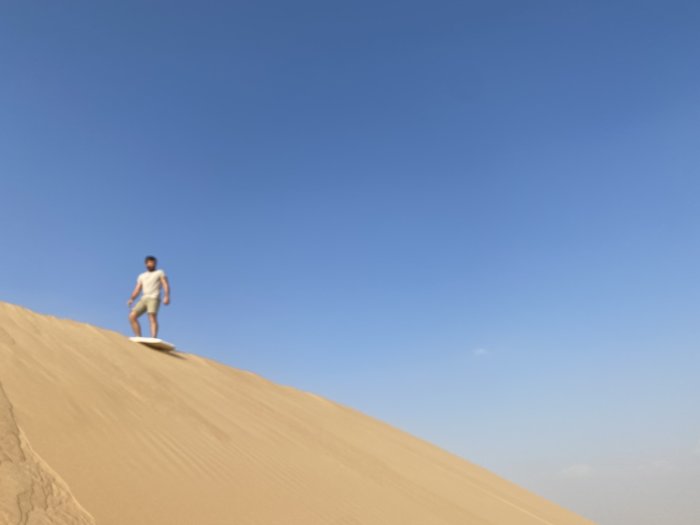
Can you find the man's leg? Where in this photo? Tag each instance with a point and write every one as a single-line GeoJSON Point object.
{"type": "Point", "coordinates": [137, 312]}
{"type": "Point", "coordinates": [154, 324]}
{"type": "Point", "coordinates": [135, 326]}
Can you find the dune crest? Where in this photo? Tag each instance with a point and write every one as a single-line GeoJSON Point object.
{"type": "Point", "coordinates": [30, 492]}
{"type": "Point", "coordinates": [149, 438]}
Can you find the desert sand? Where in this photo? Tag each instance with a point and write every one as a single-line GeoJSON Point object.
{"type": "Point", "coordinates": [97, 429]}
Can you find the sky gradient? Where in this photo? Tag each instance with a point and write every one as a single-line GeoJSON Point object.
{"type": "Point", "coordinates": [477, 221]}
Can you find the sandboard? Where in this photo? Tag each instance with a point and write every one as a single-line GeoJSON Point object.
{"type": "Point", "coordinates": [153, 342]}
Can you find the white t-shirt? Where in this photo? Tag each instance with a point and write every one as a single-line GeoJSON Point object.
{"type": "Point", "coordinates": [150, 283]}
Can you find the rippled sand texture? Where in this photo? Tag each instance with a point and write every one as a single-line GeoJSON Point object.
{"type": "Point", "coordinates": [143, 437]}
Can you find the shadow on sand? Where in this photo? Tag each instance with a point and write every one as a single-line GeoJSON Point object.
{"type": "Point", "coordinates": [171, 353]}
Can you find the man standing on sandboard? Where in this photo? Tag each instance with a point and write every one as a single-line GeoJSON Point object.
{"type": "Point", "coordinates": [149, 285]}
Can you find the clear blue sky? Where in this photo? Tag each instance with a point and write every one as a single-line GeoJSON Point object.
{"type": "Point", "coordinates": [477, 221]}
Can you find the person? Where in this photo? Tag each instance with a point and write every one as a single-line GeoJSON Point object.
{"type": "Point", "coordinates": [149, 285]}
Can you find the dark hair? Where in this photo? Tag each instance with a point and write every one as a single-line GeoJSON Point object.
{"type": "Point", "coordinates": [151, 258]}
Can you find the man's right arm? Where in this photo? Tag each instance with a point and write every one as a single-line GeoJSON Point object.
{"type": "Point", "coordinates": [135, 293]}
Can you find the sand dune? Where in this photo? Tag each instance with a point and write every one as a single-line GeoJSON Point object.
{"type": "Point", "coordinates": [146, 438]}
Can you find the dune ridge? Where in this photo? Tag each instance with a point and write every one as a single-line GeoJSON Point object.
{"type": "Point", "coordinates": [149, 438]}
{"type": "Point", "coordinates": [30, 492]}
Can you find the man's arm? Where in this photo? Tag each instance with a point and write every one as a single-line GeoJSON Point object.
{"type": "Point", "coordinates": [166, 289]}
{"type": "Point", "coordinates": [135, 293]}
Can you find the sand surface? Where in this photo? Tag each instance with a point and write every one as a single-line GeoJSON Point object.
{"type": "Point", "coordinates": [30, 492]}
{"type": "Point", "coordinates": [95, 426]}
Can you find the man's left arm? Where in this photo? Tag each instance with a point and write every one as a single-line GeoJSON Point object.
{"type": "Point", "coordinates": [166, 289]}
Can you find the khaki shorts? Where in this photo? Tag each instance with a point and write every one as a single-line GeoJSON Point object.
{"type": "Point", "coordinates": [147, 304]}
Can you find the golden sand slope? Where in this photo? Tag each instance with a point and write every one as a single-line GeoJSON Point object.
{"type": "Point", "coordinates": [30, 493]}
{"type": "Point", "coordinates": [147, 438]}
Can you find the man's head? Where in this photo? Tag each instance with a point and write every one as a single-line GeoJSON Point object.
{"type": "Point", "coordinates": [151, 263]}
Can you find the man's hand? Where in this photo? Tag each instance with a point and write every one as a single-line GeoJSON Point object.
{"type": "Point", "coordinates": [166, 289]}
{"type": "Point", "coordinates": [130, 302]}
